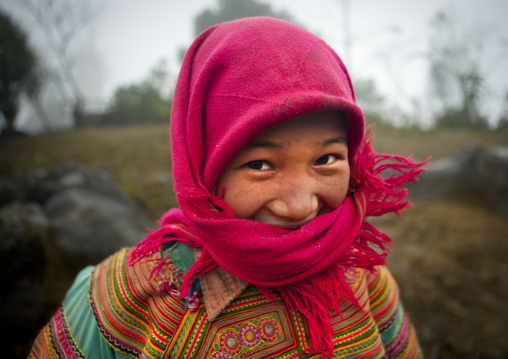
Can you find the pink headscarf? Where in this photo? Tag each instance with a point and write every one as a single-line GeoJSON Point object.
{"type": "Point", "coordinates": [238, 79]}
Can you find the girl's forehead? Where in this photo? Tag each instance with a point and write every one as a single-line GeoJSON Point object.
{"type": "Point", "coordinates": [240, 78]}
{"type": "Point", "coordinates": [319, 121]}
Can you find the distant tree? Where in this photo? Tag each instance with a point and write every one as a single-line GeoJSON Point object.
{"type": "Point", "coordinates": [18, 69]}
{"type": "Point", "coordinates": [370, 101]}
{"type": "Point", "coordinates": [502, 123]}
{"type": "Point", "coordinates": [235, 9]}
{"type": "Point", "coordinates": [228, 10]}
{"type": "Point", "coordinates": [457, 82]}
{"type": "Point", "coordinates": [147, 101]}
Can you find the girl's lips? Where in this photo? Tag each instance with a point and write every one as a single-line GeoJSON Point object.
{"type": "Point", "coordinates": [268, 217]}
{"type": "Point", "coordinates": [292, 227]}
{"type": "Point", "coordinates": [288, 224]}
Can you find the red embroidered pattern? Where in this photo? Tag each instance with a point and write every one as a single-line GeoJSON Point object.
{"type": "Point", "coordinates": [62, 338]}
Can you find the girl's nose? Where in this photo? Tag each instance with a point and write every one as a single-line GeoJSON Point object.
{"type": "Point", "coordinates": [296, 197]}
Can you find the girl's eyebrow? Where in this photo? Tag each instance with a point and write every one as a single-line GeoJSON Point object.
{"type": "Point", "coordinates": [263, 144]}
{"type": "Point", "coordinates": [268, 144]}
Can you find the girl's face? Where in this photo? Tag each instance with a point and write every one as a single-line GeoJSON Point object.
{"type": "Point", "coordinates": [290, 173]}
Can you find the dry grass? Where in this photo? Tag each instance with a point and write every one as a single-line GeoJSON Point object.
{"type": "Point", "coordinates": [435, 143]}
{"type": "Point", "coordinates": [138, 157]}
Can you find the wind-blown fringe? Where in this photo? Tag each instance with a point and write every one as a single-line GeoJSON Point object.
{"type": "Point", "coordinates": [168, 233]}
{"type": "Point", "coordinates": [369, 249]}
{"type": "Point", "coordinates": [205, 263]}
{"type": "Point", "coordinates": [314, 297]}
{"type": "Point", "coordinates": [384, 195]}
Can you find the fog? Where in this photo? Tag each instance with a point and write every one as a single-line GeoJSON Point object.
{"type": "Point", "coordinates": [388, 42]}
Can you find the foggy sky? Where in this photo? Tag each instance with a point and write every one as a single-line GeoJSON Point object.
{"type": "Point", "coordinates": [389, 37]}
{"type": "Point", "coordinates": [389, 40]}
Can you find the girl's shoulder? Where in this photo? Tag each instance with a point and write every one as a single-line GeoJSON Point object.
{"type": "Point", "coordinates": [131, 314]}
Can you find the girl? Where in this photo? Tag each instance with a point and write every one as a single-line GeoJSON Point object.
{"type": "Point", "coordinates": [269, 255]}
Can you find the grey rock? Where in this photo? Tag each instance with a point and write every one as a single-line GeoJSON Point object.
{"type": "Point", "coordinates": [40, 185]}
{"type": "Point", "coordinates": [10, 191]}
{"type": "Point", "coordinates": [21, 222]}
{"type": "Point", "coordinates": [91, 224]}
{"type": "Point", "coordinates": [73, 179]}
{"type": "Point", "coordinates": [476, 175]}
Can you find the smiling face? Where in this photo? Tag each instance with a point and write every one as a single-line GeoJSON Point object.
{"type": "Point", "coordinates": [291, 172]}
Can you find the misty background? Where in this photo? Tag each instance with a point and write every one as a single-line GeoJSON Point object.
{"type": "Point", "coordinates": [389, 47]}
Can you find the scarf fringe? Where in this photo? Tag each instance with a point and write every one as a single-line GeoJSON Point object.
{"type": "Point", "coordinates": [169, 232]}
{"type": "Point", "coordinates": [384, 194]}
{"type": "Point", "coordinates": [314, 298]}
{"type": "Point", "coordinates": [205, 263]}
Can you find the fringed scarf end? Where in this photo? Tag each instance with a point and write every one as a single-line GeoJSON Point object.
{"type": "Point", "coordinates": [383, 194]}
{"type": "Point", "coordinates": [149, 246]}
{"type": "Point", "coordinates": [204, 264]}
{"type": "Point", "coordinates": [314, 297]}
{"type": "Point", "coordinates": [173, 227]}
{"type": "Point", "coordinates": [376, 182]}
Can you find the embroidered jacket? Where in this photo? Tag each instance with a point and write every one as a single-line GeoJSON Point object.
{"type": "Point", "coordinates": [117, 311]}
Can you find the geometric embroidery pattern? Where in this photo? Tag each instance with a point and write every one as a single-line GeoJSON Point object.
{"type": "Point", "coordinates": [136, 320]}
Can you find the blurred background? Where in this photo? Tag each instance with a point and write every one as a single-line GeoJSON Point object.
{"type": "Point", "coordinates": [85, 95]}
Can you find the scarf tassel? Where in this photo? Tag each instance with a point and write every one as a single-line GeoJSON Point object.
{"type": "Point", "coordinates": [384, 192]}
{"type": "Point", "coordinates": [203, 264]}
{"type": "Point", "coordinates": [153, 241]}
{"type": "Point", "coordinates": [314, 298]}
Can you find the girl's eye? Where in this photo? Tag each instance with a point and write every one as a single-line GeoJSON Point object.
{"type": "Point", "coordinates": [258, 165]}
{"type": "Point", "coordinates": [326, 160]}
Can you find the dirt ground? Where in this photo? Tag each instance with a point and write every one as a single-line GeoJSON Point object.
{"type": "Point", "coordinates": [450, 261]}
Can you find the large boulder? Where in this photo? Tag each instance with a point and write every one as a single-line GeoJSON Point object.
{"type": "Point", "coordinates": [89, 216]}
{"type": "Point", "coordinates": [86, 223]}
{"type": "Point", "coordinates": [53, 223]}
{"type": "Point", "coordinates": [477, 175]}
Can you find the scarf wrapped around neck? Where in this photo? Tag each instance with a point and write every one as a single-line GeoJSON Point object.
{"type": "Point", "coordinates": [238, 79]}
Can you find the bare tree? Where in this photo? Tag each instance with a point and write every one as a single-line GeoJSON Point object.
{"type": "Point", "coordinates": [346, 28]}
{"type": "Point", "coordinates": [456, 77]}
{"type": "Point", "coordinates": [60, 21]}
{"type": "Point", "coordinates": [227, 10]}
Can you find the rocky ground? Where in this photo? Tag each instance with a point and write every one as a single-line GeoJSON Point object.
{"type": "Point", "coordinates": [450, 261]}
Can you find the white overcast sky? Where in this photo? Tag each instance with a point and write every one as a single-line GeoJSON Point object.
{"type": "Point", "coordinates": [389, 39]}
